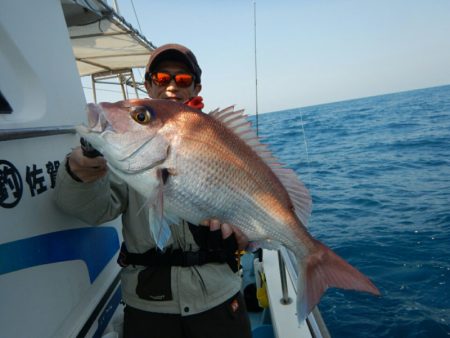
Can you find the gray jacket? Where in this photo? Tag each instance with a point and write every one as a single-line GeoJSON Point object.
{"type": "Point", "coordinates": [193, 289]}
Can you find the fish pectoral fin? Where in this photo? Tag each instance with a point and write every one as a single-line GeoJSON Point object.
{"type": "Point", "coordinates": [159, 226]}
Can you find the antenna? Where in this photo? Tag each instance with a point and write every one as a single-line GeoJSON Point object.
{"type": "Point", "coordinates": [256, 68]}
{"type": "Point", "coordinates": [135, 15]}
{"type": "Point", "coordinates": [116, 6]}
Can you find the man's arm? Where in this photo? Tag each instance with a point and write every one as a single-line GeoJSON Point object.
{"type": "Point", "coordinates": [86, 190]}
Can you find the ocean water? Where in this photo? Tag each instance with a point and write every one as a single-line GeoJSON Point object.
{"type": "Point", "coordinates": [378, 170]}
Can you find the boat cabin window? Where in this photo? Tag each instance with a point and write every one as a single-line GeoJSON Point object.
{"type": "Point", "coordinates": [5, 108]}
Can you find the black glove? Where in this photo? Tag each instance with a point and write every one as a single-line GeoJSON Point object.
{"type": "Point", "coordinates": [223, 250]}
{"type": "Point", "coordinates": [88, 149]}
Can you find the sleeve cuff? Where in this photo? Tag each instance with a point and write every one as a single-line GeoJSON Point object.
{"type": "Point", "coordinates": [71, 174]}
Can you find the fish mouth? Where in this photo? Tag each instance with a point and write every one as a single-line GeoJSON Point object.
{"type": "Point", "coordinates": [118, 158]}
{"type": "Point", "coordinates": [97, 120]}
{"type": "Point", "coordinates": [99, 127]}
{"type": "Point", "coordinates": [118, 150]}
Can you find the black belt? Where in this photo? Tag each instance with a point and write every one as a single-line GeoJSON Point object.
{"type": "Point", "coordinates": [177, 257]}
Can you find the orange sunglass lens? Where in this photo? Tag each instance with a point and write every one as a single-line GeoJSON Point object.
{"type": "Point", "coordinates": [161, 79]}
{"type": "Point", "coordinates": [183, 80]}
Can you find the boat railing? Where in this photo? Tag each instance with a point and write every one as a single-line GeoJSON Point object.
{"type": "Point", "coordinates": [122, 77]}
{"type": "Point", "coordinates": [22, 133]}
{"type": "Point", "coordinates": [314, 320]}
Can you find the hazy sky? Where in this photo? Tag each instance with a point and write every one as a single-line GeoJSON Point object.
{"type": "Point", "coordinates": [309, 51]}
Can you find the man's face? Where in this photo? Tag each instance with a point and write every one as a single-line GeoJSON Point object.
{"type": "Point", "coordinates": [172, 91]}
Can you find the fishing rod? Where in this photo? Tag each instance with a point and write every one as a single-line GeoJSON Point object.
{"type": "Point", "coordinates": [256, 68]}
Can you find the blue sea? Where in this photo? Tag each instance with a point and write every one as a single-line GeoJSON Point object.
{"type": "Point", "coordinates": [378, 169]}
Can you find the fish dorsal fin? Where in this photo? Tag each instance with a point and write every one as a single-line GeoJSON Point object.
{"type": "Point", "coordinates": [299, 194]}
{"type": "Point", "coordinates": [238, 123]}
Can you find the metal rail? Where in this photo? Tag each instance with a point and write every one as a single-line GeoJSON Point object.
{"type": "Point", "coordinates": [22, 133]}
{"type": "Point", "coordinates": [285, 298]}
{"type": "Point", "coordinates": [314, 320]}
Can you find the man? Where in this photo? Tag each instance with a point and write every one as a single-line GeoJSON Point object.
{"type": "Point", "coordinates": [178, 293]}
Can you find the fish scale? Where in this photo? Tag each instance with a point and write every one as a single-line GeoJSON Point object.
{"type": "Point", "coordinates": [217, 169]}
{"type": "Point", "coordinates": [217, 177]}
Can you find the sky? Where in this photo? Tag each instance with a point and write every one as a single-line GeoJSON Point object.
{"type": "Point", "coordinates": [308, 52]}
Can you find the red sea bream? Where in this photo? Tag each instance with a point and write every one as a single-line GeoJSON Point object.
{"type": "Point", "coordinates": [197, 166]}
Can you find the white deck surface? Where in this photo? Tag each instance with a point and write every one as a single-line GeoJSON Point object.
{"type": "Point", "coordinates": [284, 317]}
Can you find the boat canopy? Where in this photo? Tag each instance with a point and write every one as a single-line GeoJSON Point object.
{"type": "Point", "coordinates": [103, 42]}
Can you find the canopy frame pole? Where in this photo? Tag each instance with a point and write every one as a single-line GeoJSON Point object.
{"type": "Point", "coordinates": [94, 91]}
{"type": "Point", "coordinates": [134, 84]}
{"type": "Point", "coordinates": [120, 76]}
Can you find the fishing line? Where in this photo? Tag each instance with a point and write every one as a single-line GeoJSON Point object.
{"type": "Point", "coordinates": [256, 69]}
{"type": "Point", "coordinates": [307, 163]}
{"type": "Point", "coordinates": [137, 19]}
{"type": "Point", "coordinates": [140, 31]}
{"type": "Point", "coordinates": [306, 149]}
{"type": "Point", "coordinates": [256, 96]}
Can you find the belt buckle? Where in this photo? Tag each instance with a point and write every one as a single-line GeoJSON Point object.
{"type": "Point", "coordinates": [122, 259]}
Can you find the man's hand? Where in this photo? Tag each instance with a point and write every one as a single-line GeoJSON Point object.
{"type": "Point", "coordinates": [85, 168]}
{"type": "Point", "coordinates": [227, 230]}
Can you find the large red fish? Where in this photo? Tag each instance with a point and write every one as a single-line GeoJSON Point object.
{"type": "Point", "coordinates": [213, 166]}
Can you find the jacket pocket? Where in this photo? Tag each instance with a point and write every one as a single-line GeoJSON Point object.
{"type": "Point", "coordinates": [154, 283]}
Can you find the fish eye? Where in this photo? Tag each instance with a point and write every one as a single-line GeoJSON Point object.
{"type": "Point", "coordinates": [141, 115]}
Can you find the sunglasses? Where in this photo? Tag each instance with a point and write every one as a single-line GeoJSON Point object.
{"type": "Point", "coordinates": [163, 79]}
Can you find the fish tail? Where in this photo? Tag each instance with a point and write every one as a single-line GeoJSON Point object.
{"type": "Point", "coordinates": [321, 269]}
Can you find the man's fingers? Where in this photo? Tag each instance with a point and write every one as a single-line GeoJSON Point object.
{"type": "Point", "coordinates": [77, 158]}
{"type": "Point", "coordinates": [227, 231]}
{"type": "Point", "coordinates": [92, 163]}
{"type": "Point", "coordinates": [86, 169]}
{"type": "Point", "coordinates": [241, 238]}
{"type": "Point", "coordinates": [214, 224]}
